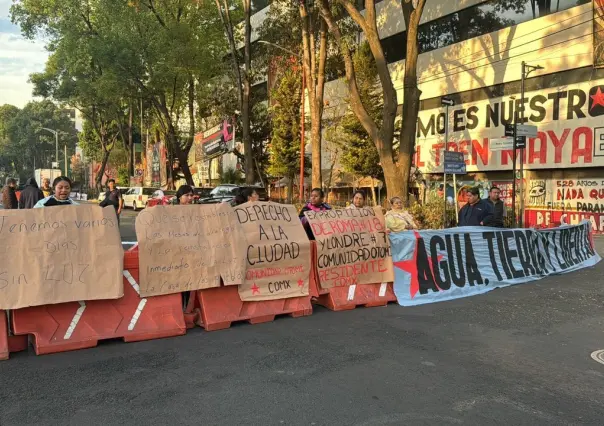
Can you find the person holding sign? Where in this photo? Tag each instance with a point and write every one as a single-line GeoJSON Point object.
{"type": "Point", "coordinates": [358, 200]}
{"type": "Point", "coordinates": [397, 219]}
{"type": "Point", "coordinates": [184, 196]}
{"type": "Point", "coordinates": [316, 204]}
{"type": "Point", "coordinates": [61, 187]}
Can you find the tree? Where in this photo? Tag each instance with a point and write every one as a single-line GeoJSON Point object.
{"type": "Point", "coordinates": [284, 159]}
{"type": "Point", "coordinates": [381, 135]}
{"type": "Point", "coordinates": [243, 75]}
{"type": "Point", "coordinates": [298, 28]}
{"type": "Point", "coordinates": [359, 154]}
{"type": "Point", "coordinates": [412, 12]}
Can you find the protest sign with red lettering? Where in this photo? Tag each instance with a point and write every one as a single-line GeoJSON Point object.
{"type": "Point", "coordinates": [352, 247]}
{"type": "Point", "coordinates": [278, 252]}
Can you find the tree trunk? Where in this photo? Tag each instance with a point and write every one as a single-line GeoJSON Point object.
{"type": "Point", "coordinates": [250, 174]}
{"type": "Point", "coordinates": [411, 95]}
{"type": "Point", "coordinates": [130, 142]}
{"type": "Point", "coordinates": [98, 181]}
{"type": "Point", "coordinates": [393, 178]}
{"type": "Point", "coordinates": [290, 189]}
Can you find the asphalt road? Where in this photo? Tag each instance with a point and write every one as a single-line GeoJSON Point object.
{"type": "Point", "coordinates": [515, 356]}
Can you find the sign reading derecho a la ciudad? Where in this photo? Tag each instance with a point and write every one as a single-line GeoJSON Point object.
{"type": "Point", "coordinates": [277, 252]}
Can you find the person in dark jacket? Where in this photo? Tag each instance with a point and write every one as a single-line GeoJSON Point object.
{"type": "Point", "coordinates": [9, 196]}
{"type": "Point", "coordinates": [477, 212]}
{"type": "Point", "coordinates": [30, 195]}
{"type": "Point", "coordinates": [499, 210]}
{"type": "Point", "coordinates": [316, 204]}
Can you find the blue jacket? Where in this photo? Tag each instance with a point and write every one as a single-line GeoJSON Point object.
{"type": "Point", "coordinates": [481, 212]}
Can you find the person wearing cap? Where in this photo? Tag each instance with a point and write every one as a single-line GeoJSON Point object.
{"type": "Point", "coordinates": [476, 212]}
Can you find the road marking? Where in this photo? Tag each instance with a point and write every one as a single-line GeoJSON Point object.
{"type": "Point", "coordinates": [141, 304]}
{"type": "Point", "coordinates": [75, 320]}
{"type": "Point", "coordinates": [598, 356]}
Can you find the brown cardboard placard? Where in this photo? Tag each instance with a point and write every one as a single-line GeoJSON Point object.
{"type": "Point", "coordinates": [184, 248]}
{"type": "Point", "coordinates": [59, 254]}
{"type": "Point", "coordinates": [352, 247]}
{"type": "Point", "coordinates": [278, 252]}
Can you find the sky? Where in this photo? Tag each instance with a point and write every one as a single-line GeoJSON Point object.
{"type": "Point", "coordinates": [19, 58]}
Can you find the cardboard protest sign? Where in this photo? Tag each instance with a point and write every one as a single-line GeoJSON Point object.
{"type": "Point", "coordinates": [278, 252]}
{"type": "Point", "coordinates": [183, 248]}
{"type": "Point", "coordinates": [433, 266]}
{"type": "Point", "coordinates": [352, 247]}
{"type": "Point", "coordinates": [59, 254]}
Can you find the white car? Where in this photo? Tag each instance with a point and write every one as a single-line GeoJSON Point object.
{"type": "Point", "coordinates": [137, 197]}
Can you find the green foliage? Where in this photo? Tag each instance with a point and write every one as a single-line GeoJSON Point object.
{"type": "Point", "coordinates": [285, 136]}
{"type": "Point", "coordinates": [430, 214]}
{"type": "Point", "coordinates": [359, 154]}
{"type": "Point", "coordinates": [123, 177]}
{"type": "Point", "coordinates": [23, 143]}
{"type": "Point", "coordinates": [231, 175]}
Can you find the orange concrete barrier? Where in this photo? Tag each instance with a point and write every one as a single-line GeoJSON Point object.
{"type": "Point", "coordinates": [78, 325]}
{"type": "Point", "coordinates": [9, 343]}
{"type": "Point", "coordinates": [219, 307]}
{"type": "Point", "coordinates": [348, 297]}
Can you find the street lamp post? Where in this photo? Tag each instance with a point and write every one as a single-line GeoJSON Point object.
{"type": "Point", "coordinates": [56, 133]}
{"type": "Point", "coordinates": [302, 113]}
{"type": "Point", "coordinates": [526, 70]}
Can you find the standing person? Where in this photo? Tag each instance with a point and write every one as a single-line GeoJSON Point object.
{"type": "Point", "coordinates": [476, 212]}
{"type": "Point", "coordinates": [316, 204]}
{"type": "Point", "coordinates": [61, 188]}
{"type": "Point", "coordinates": [113, 197]}
{"type": "Point", "coordinates": [9, 196]}
{"type": "Point", "coordinates": [184, 196]}
{"type": "Point", "coordinates": [398, 219]}
{"type": "Point", "coordinates": [358, 200]}
{"type": "Point", "coordinates": [46, 188]}
{"type": "Point", "coordinates": [244, 196]}
{"type": "Point", "coordinates": [499, 210]}
{"type": "Point", "coordinates": [30, 195]}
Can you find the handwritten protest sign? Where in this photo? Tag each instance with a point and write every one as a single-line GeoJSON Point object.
{"type": "Point", "coordinates": [59, 254]}
{"type": "Point", "coordinates": [352, 247]}
{"type": "Point", "coordinates": [278, 252]}
{"type": "Point", "coordinates": [183, 248]}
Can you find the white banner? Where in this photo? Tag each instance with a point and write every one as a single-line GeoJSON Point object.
{"type": "Point", "coordinates": [569, 120]}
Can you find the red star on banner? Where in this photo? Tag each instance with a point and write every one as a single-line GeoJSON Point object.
{"type": "Point", "coordinates": [598, 99]}
{"type": "Point", "coordinates": [255, 289]}
{"type": "Point", "coordinates": [410, 266]}
{"type": "Point", "coordinates": [300, 283]}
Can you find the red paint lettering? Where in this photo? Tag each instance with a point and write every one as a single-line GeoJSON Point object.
{"type": "Point", "coordinates": [480, 150]}
{"type": "Point", "coordinates": [463, 148]}
{"type": "Point", "coordinates": [585, 151]}
{"type": "Point", "coordinates": [436, 148]}
{"type": "Point", "coordinates": [533, 153]}
{"type": "Point", "coordinates": [558, 144]}
{"type": "Point", "coordinates": [418, 157]}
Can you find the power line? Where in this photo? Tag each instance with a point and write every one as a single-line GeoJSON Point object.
{"type": "Point", "coordinates": [508, 50]}
{"type": "Point", "coordinates": [529, 34]}
{"type": "Point", "coordinates": [507, 59]}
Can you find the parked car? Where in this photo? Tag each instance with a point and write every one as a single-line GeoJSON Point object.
{"type": "Point", "coordinates": [202, 193]}
{"type": "Point", "coordinates": [137, 197]}
{"type": "Point", "coordinates": [161, 198]}
{"type": "Point", "coordinates": [227, 193]}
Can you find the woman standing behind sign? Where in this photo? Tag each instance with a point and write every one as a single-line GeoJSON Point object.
{"type": "Point", "coordinates": [184, 196]}
{"type": "Point", "coordinates": [316, 204]}
{"type": "Point", "coordinates": [397, 219]}
{"type": "Point", "coordinates": [61, 188]}
{"type": "Point", "coordinates": [358, 200]}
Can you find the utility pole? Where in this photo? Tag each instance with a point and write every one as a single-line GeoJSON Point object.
{"type": "Point", "coordinates": [526, 70]}
{"type": "Point", "coordinates": [447, 102]}
{"type": "Point", "coordinates": [65, 160]}
{"type": "Point", "coordinates": [56, 133]}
